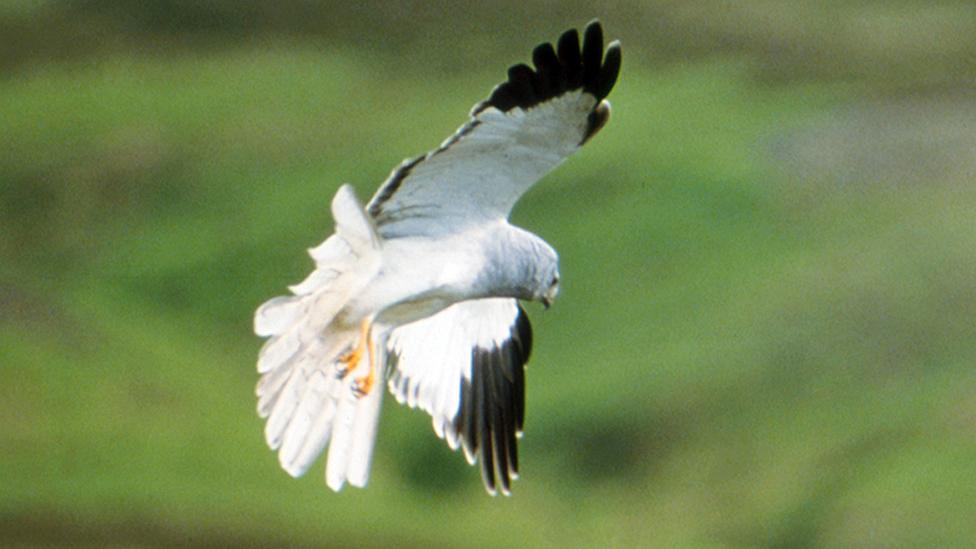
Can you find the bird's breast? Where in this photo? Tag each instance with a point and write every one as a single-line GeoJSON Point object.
{"type": "Point", "coordinates": [420, 277]}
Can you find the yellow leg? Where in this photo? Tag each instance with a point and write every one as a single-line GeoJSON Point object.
{"type": "Point", "coordinates": [350, 361]}
{"type": "Point", "coordinates": [365, 383]}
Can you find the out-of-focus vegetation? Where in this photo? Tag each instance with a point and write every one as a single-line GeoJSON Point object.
{"type": "Point", "coordinates": [766, 331]}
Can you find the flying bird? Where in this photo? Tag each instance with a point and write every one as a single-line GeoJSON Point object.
{"type": "Point", "coordinates": [421, 288]}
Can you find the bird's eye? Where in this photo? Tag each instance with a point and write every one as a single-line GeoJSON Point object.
{"type": "Point", "coordinates": [555, 281]}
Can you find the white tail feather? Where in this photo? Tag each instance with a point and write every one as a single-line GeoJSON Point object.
{"type": "Point", "coordinates": [364, 434]}
{"type": "Point", "coordinates": [279, 350]}
{"type": "Point", "coordinates": [298, 432]}
{"type": "Point", "coordinates": [338, 460]}
{"type": "Point", "coordinates": [309, 406]}
{"type": "Point", "coordinates": [351, 221]}
{"type": "Point", "coordinates": [283, 409]}
{"type": "Point", "coordinates": [277, 315]}
{"type": "Point", "coordinates": [318, 278]}
{"type": "Point", "coordinates": [317, 439]}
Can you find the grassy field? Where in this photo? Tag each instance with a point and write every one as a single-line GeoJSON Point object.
{"type": "Point", "coordinates": [765, 334]}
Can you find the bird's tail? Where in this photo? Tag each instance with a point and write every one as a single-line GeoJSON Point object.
{"type": "Point", "coordinates": [309, 402]}
{"type": "Point", "coordinates": [353, 438]}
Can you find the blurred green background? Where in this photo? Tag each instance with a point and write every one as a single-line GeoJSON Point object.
{"type": "Point", "coordinates": [766, 330]}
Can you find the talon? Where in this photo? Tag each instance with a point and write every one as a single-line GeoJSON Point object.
{"type": "Point", "coordinates": [349, 361]}
{"type": "Point", "coordinates": [361, 387]}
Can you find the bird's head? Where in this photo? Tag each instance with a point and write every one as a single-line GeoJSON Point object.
{"type": "Point", "coordinates": [546, 279]}
{"type": "Point", "coordinates": [533, 268]}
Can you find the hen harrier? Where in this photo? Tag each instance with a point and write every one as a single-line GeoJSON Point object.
{"type": "Point", "coordinates": [422, 286]}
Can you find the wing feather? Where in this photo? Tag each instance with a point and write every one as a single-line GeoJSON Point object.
{"type": "Point", "coordinates": [528, 125]}
{"type": "Point", "coordinates": [465, 367]}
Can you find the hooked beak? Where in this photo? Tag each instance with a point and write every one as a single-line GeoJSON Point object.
{"type": "Point", "coordinates": [550, 297]}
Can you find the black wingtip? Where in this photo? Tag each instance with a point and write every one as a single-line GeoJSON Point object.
{"type": "Point", "coordinates": [551, 78]}
{"type": "Point", "coordinates": [610, 70]}
{"type": "Point", "coordinates": [492, 408]}
{"type": "Point", "coordinates": [559, 69]}
{"type": "Point", "coordinates": [569, 58]}
{"type": "Point", "coordinates": [593, 43]}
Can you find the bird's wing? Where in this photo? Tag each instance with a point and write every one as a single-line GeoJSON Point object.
{"type": "Point", "coordinates": [528, 125]}
{"type": "Point", "coordinates": [465, 366]}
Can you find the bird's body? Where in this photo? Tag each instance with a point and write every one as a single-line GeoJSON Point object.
{"type": "Point", "coordinates": [495, 260]}
{"type": "Point", "coordinates": [423, 283]}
